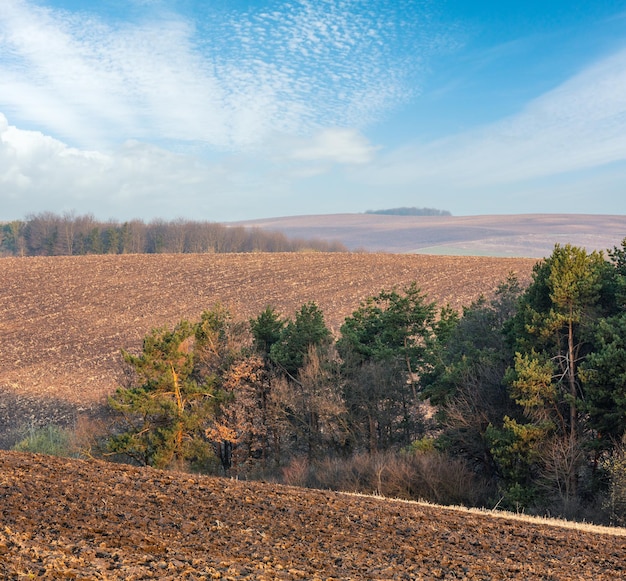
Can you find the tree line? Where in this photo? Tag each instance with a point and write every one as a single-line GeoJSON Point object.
{"type": "Point", "coordinates": [517, 402]}
{"type": "Point", "coordinates": [49, 234]}
{"type": "Point", "coordinates": [412, 211]}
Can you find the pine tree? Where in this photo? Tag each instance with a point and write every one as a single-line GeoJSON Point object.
{"type": "Point", "coordinates": [298, 336]}
{"type": "Point", "coordinates": [553, 333]}
{"type": "Point", "coordinates": [165, 411]}
{"type": "Point", "coordinates": [386, 346]}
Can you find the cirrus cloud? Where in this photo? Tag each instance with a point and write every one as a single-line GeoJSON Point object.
{"type": "Point", "coordinates": [579, 126]}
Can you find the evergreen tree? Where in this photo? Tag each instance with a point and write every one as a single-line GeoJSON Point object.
{"type": "Point", "coordinates": [266, 330]}
{"type": "Point", "coordinates": [298, 336]}
{"type": "Point", "coordinates": [468, 383]}
{"type": "Point", "coordinates": [604, 378]}
{"type": "Point", "coordinates": [165, 411]}
{"type": "Point", "coordinates": [386, 346]}
{"type": "Point", "coordinates": [553, 332]}
{"type": "Point", "coordinates": [391, 326]}
{"type": "Point", "coordinates": [604, 371]}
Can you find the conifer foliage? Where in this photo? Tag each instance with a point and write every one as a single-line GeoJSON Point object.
{"type": "Point", "coordinates": [528, 389]}
{"type": "Point", "coordinates": [166, 407]}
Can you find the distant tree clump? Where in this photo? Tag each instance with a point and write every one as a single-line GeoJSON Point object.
{"type": "Point", "coordinates": [49, 234]}
{"type": "Point", "coordinates": [410, 212]}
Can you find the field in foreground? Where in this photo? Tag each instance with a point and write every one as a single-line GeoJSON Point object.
{"type": "Point", "coordinates": [63, 320]}
{"type": "Point", "coordinates": [113, 522]}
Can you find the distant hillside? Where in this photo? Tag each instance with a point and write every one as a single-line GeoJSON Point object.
{"type": "Point", "coordinates": [528, 235]}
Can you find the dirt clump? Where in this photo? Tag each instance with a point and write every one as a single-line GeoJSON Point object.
{"type": "Point", "coordinates": [72, 519]}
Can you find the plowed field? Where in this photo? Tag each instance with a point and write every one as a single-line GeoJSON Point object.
{"type": "Point", "coordinates": [62, 323]}
{"type": "Point", "coordinates": [69, 519]}
{"type": "Point", "coordinates": [63, 320]}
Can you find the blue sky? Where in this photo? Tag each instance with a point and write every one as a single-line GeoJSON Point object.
{"type": "Point", "coordinates": [230, 109]}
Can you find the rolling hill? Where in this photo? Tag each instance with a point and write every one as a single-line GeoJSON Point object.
{"type": "Point", "coordinates": [71, 519]}
{"type": "Point", "coordinates": [63, 320]}
{"type": "Point", "coordinates": [529, 235]}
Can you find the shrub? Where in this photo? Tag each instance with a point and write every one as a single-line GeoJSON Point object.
{"type": "Point", "coordinates": [51, 439]}
{"type": "Point", "coordinates": [297, 473]}
{"type": "Point", "coordinates": [615, 502]}
{"type": "Point", "coordinates": [428, 475]}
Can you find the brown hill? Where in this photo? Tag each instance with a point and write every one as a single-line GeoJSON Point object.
{"type": "Point", "coordinates": [70, 519]}
{"type": "Point", "coordinates": [63, 320]}
{"type": "Point", "coordinates": [532, 235]}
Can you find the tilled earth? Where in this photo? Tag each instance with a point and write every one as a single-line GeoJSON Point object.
{"type": "Point", "coordinates": [63, 320]}
{"type": "Point", "coordinates": [72, 519]}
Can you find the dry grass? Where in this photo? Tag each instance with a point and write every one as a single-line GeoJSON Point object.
{"type": "Point", "coordinates": [516, 516]}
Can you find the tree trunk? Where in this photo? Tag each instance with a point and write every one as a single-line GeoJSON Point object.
{"type": "Point", "coordinates": [573, 412]}
{"type": "Point", "coordinates": [180, 406]}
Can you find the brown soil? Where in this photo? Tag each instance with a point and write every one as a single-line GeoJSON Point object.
{"type": "Point", "coordinates": [63, 320]}
{"type": "Point", "coordinates": [71, 519]}
{"type": "Point", "coordinates": [62, 323]}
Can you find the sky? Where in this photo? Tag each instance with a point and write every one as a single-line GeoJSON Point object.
{"type": "Point", "coordinates": [226, 110]}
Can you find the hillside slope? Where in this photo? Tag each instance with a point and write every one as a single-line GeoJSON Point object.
{"type": "Point", "coordinates": [70, 519]}
{"type": "Point", "coordinates": [532, 235]}
{"type": "Point", "coordinates": [63, 320]}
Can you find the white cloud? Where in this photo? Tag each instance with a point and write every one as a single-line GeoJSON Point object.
{"type": "Point", "coordinates": [344, 146]}
{"type": "Point", "coordinates": [282, 92]}
{"type": "Point", "coordinates": [285, 93]}
{"type": "Point", "coordinates": [38, 172]}
{"type": "Point", "coordinates": [93, 85]}
{"type": "Point", "coordinates": [227, 81]}
{"type": "Point", "coordinates": [564, 149]}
